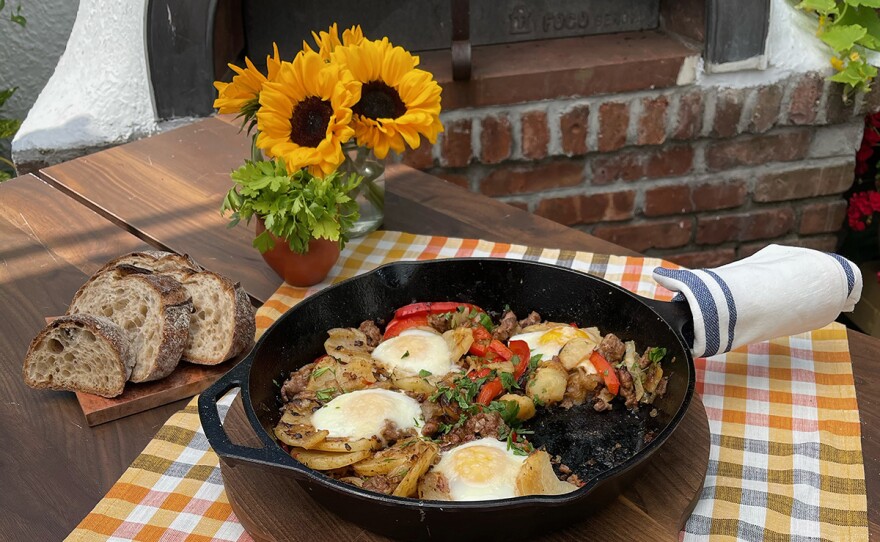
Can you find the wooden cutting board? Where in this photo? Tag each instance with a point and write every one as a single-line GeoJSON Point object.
{"type": "Point", "coordinates": [186, 381]}
{"type": "Point", "coordinates": [654, 508]}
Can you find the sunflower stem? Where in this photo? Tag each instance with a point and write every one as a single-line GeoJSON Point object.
{"type": "Point", "coordinates": [256, 153]}
{"type": "Point", "coordinates": [375, 194]}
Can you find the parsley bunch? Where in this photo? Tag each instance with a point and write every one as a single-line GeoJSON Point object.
{"type": "Point", "coordinates": [297, 207]}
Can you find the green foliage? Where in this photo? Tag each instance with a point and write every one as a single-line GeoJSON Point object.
{"type": "Point", "coordinates": [848, 27]}
{"type": "Point", "coordinates": [8, 127]}
{"type": "Point", "coordinates": [297, 207]}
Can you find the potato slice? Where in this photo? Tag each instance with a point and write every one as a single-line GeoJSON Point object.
{"type": "Point", "coordinates": [356, 374]}
{"type": "Point", "coordinates": [341, 445]}
{"type": "Point", "coordinates": [459, 341]}
{"type": "Point", "coordinates": [318, 460]}
{"type": "Point", "coordinates": [410, 483]}
{"type": "Point", "coordinates": [575, 352]}
{"type": "Point", "coordinates": [377, 465]}
{"type": "Point", "coordinates": [415, 384]}
{"type": "Point", "coordinates": [323, 376]}
{"type": "Point", "coordinates": [536, 477]}
{"type": "Point", "coordinates": [346, 343]}
{"type": "Point", "coordinates": [434, 487]}
{"type": "Point", "coordinates": [302, 436]}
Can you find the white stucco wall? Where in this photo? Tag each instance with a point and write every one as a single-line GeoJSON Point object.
{"type": "Point", "coordinates": [100, 91]}
{"type": "Point", "coordinates": [28, 55]}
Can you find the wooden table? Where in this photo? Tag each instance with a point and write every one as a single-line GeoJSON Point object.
{"type": "Point", "coordinates": [59, 226]}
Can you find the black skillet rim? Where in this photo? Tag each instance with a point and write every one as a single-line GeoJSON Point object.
{"type": "Point", "coordinates": [409, 502]}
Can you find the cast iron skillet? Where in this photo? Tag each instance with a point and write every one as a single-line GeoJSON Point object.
{"type": "Point", "coordinates": [558, 294]}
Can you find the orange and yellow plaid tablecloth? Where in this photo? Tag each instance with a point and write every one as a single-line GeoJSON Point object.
{"type": "Point", "coordinates": [785, 460]}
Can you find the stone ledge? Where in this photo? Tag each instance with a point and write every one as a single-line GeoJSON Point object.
{"type": "Point", "coordinates": [551, 69]}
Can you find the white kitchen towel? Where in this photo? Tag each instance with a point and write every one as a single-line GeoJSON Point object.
{"type": "Point", "coordinates": [776, 292]}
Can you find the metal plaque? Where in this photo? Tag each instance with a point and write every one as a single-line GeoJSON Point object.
{"type": "Point", "coordinates": [422, 25]}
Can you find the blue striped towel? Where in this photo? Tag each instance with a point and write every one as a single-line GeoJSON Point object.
{"type": "Point", "coordinates": [776, 292]}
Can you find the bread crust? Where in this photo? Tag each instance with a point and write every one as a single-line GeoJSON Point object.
{"type": "Point", "coordinates": [100, 326]}
{"type": "Point", "coordinates": [155, 260]}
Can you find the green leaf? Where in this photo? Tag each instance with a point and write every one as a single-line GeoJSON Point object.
{"type": "Point", "coordinates": [18, 18]}
{"type": "Point", "coordinates": [822, 6]}
{"type": "Point", "coordinates": [843, 37]}
{"type": "Point", "coordinates": [867, 3]}
{"type": "Point", "coordinates": [6, 94]}
{"type": "Point", "coordinates": [8, 127]}
{"type": "Point", "coordinates": [4, 175]}
{"type": "Point", "coordinates": [2, 4]}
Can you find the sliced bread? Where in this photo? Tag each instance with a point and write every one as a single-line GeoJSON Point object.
{"type": "Point", "coordinates": [80, 352]}
{"type": "Point", "coordinates": [153, 310]}
{"type": "Point", "coordinates": [223, 318]}
{"type": "Point", "coordinates": [222, 324]}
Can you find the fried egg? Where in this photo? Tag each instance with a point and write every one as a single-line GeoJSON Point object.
{"type": "Point", "coordinates": [549, 342]}
{"type": "Point", "coordinates": [480, 470]}
{"type": "Point", "coordinates": [413, 351]}
{"type": "Point", "coordinates": [363, 413]}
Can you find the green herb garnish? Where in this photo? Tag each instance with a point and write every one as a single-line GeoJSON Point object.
{"type": "Point", "coordinates": [325, 395]}
{"type": "Point", "coordinates": [405, 355]}
{"type": "Point", "coordinates": [318, 372]}
{"type": "Point", "coordinates": [424, 373]}
{"type": "Point", "coordinates": [508, 381]}
{"type": "Point", "coordinates": [656, 354]}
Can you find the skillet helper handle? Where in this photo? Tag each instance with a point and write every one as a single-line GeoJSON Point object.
{"type": "Point", "coordinates": [237, 377]}
{"type": "Point", "coordinates": [776, 292]}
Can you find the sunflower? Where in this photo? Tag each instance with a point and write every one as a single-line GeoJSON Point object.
{"type": "Point", "coordinates": [397, 101]}
{"type": "Point", "coordinates": [304, 115]}
{"type": "Point", "coordinates": [241, 96]}
{"type": "Point", "coordinates": [328, 41]}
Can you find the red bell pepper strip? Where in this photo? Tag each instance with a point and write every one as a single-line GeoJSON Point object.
{"type": "Point", "coordinates": [480, 334]}
{"type": "Point", "coordinates": [520, 349]}
{"type": "Point", "coordinates": [480, 346]}
{"type": "Point", "coordinates": [498, 348]}
{"type": "Point", "coordinates": [473, 375]}
{"type": "Point", "coordinates": [489, 391]}
{"type": "Point", "coordinates": [606, 370]}
{"type": "Point", "coordinates": [396, 326]}
{"type": "Point", "coordinates": [437, 307]}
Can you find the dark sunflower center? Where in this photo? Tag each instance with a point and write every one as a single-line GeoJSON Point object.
{"type": "Point", "coordinates": [308, 124]}
{"type": "Point", "coordinates": [379, 101]}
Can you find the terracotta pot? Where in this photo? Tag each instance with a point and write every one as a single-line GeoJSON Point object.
{"type": "Point", "coordinates": [300, 269]}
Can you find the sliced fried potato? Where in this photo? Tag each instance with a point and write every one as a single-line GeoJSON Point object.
{"type": "Point", "coordinates": [377, 465]}
{"type": "Point", "coordinates": [575, 352]}
{"type": "Point", "coordinates": [459, 341]}
{"type": "Point", "coordinates": [302, 436]}
{"type": "Point", "coordinates": [536, 477]}
{"type": "Point", "coordinates": [341, 445]}
{"type": "Point", "coordinates": [294, 418]}
{"type": "Point", "coordinates": [324, 375]}
{"type": "Point", "coordinates": [415, 384]}
{"type": "Point", "coordinates": [318, 460]}
{"type": "Point", "coordinates": [410, 483]}
{"type": "Point", "coordinates": [344, 343]}
{"type": "Point", "coordinates": [356, 374]}
{"type": "Point", "coordinates": [434, 487]}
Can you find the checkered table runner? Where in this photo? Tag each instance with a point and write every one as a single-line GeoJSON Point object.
{"type": "Point", "coordinates": [785, 461]}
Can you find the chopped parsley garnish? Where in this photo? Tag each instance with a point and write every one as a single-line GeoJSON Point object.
{"type": "Point", "coordinates": [534, 361]}
{"type": "Point", "coordinates": [507, 409]}
{"type": "Point", "coordinates": [508, 381]}
{"type": "Point", "coordinates": [405, 355]}
{"type": "Point", "coordinates": [485, 321]}
{"type": "Point", "coordinates": [424, 373]}
{"type": "Point", "coordinates": [656, 354]}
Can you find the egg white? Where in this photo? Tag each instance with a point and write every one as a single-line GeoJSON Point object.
{"type": "Point", "coordinates": [480, 470]}
{"type": "Point", "coordinates": [362, 414]}
{"type": "Point", "coordinates": [413, 351]}
{"type": "Point", "coordinates": [549, 342]}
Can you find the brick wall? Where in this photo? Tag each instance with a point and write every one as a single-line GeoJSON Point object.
{"type": "Point", "coordinates": [700, 176]}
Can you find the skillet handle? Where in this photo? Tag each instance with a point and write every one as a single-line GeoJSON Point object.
{"type": "Point", "coordinates": [678, 315]}
{"type": "Point", "coordinates": [237, 377]}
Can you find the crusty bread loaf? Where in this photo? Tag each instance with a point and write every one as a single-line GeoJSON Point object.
{"type": "Point", "coordinates": [80, 353]}
{"type": "Point", "coordinates": [222, 324]}
{"type": "Point", "coordinates": [167, 263]}
{"type": "Point", "coordinates": [153, 310]}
